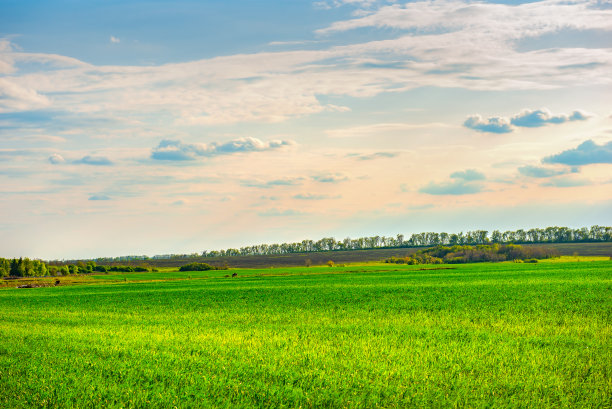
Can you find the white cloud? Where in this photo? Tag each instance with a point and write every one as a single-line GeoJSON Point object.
{"type": "Point", "coordinates": [114, 40]}
{"type": "Point", "coordinates": [540, 117]}
{"type": "Point", "coordinates": [527, 118]}
{"type": "Point", "coordinates": [492, 124]}
{"type": "Point", "coordinates": [175, 150]}
{"type": "Point", "coordinates": [56, 159]}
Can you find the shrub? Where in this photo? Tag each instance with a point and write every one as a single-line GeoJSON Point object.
{"type": "Point", "coordinates": [197, 267]}
{"type": "Point", "coordinates": [123, 269]}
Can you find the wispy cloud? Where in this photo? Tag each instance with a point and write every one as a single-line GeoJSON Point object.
{"type": "Point", "coordinates": [272, 183]}
{"type": "Point", "coordinates": [586, 153]}
{"type": "Point", "coordinates": [16, 97]}
{"type": "Point", "coordinates": [99, 197]}
{"type": "Point", "coordinates": [94, 160]}
{"type": "Point", "coordinates": [566, 182]}
{"type": "Point", "coordinates": [280, 213]}
{"type": "Point", "coordinates": [527, 19]}
{"type": "Point", "coordinates": [308, 196]}
{"type": "Point", "coordinates": [379, 129]}
{"type": "Point", "coordinates": [420, 207]}
{"type": "Point", "coordinates": [443, 49]}
{"type": "Point", "coordinates": [469, 175]}
{"type": "Point", "coordinates": [114, 40]}
{"type": "Point", "coordinates": [330, 178]}
{"type": "Point", "coordinates": [462, 183]}
{"type": "Point", "coordinates": [176, 150]}
{"type": "Point", "coordinates": [375, 155]}
{"type": "Point", "coordinates": [542, 172]}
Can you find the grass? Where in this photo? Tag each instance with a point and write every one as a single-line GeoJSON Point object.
{"type": "Point", "coordinates": [479, 335]}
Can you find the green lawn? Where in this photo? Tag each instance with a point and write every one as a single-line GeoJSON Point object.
{"type": "Point", "coordinates": [479, 335]}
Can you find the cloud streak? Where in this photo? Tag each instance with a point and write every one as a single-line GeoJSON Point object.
{"type": "Point", "coordinates": [272, 183]}
{"type": "Point", "coordinates": [99, 197]}
{"type": "Point", "coordinates": [94, 161]}
{"type": "Point", "coordinates": [541, 172]}
{"type": "Point", "coordinates": [375, 155]}
{"type": "Point", "coordinates": [330, 178]}
{"type": "Point", "coordinates": [463, 183]}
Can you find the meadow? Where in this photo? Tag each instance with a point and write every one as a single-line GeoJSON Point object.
{"type": "Point", "coordinates": [374, 335]}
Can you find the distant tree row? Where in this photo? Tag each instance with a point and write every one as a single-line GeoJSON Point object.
{"type": "Point", "coordinates": [537, 235]}
{"type": "Point", "coordinates": [476, 237]}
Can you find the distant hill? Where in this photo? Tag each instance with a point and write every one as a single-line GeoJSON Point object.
{"type": "Point", "coordinates": [354, 256]}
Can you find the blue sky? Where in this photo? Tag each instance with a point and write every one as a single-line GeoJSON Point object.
{"type": "Point", "coordinates": [148, 127]}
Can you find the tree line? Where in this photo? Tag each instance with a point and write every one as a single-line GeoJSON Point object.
{"type": "Point", "coordinates": [24, 267]}
{"type": "Point", "coordinates": [427, 239]}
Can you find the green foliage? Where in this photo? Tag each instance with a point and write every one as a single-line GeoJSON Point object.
{"type": "Point", "coordinates": [101, 268]}
{"type": "Point", "coordinates": [474, 254]}
{"type": "Point", "coordinates": [197, 267]}
{"type": "Point", "coordinates": [124, 269]}
{"type": "Point", "coordinates": [22, 267]}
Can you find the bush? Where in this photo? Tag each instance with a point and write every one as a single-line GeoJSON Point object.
{"type": "Point", "coordinates": [123, 269]}
{"type": "Point", "coordinates": [197, 267]}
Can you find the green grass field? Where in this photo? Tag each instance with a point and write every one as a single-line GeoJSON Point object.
{"type": "Point", "coordinates": [479, 335]}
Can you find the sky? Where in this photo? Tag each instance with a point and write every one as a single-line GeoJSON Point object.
{"type": "Point", "coordinates": [154, 127]}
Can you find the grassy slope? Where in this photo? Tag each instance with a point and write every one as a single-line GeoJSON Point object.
{"type": "Point", "coordinates": [502, 334]}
